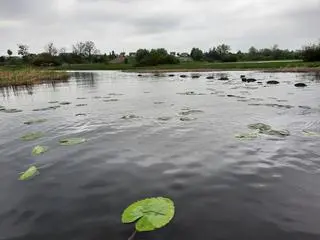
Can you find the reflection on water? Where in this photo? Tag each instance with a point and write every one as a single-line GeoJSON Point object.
{"type": "Point", "coordinates": [223, 188]}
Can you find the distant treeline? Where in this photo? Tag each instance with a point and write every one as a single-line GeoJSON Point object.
{"type": "Point", "coordinates": [86, 52]}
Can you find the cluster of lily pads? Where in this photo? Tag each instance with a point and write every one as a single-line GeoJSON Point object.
{"type": "Point", "coordinates": [261, 128]}
{"type": "Point", "coordinates": [33, 171]}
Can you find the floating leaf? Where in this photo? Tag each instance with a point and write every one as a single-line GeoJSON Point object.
{"type": "Point", "coordinates": [187, 119]}
{"type": "Point", "coordinates": [13, 110]}
{"type": "Point", "coordinates": [52, 102]}
{"type": "Point", "coordinates": [129, 116]}
{"type": "Point", "coordinates": [259, 126]}
{"type": "Point", "coordinates": [35, 121]}
{"type": "Point", "coordinates": [81, 105]}
{"type": "Point", "coordinates": [111, 100]}
{"type": "Point", "coordinates": [164, 118]}
{"type": "Point", "coordinates": [279, 133]}
{"type": "Point", "coordinates": [311, 134]}
{"type": "Point", "coordinates": [150, 213]}
{"type": "Point", "coordinates": [32, 136]}
{"type": "Point", "coordinates": [37, 150]}
{"type": "Point", "coordinates": [80, 114]}
{"type": "Point", "coordinates": [247, 136]}
{"type": "Point", "coordinates": [30, 173]}
{"type": "Point", "coordinates": [71, 141]}
{"type": "Point", "coordinates": [188, 112]}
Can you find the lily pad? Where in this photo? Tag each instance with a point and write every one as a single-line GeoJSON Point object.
{"type": "Point", "coordinates": [279, 133]}
{"type": "Point", "coordinates": [80, 114]}
{"type": "Point", "coordinates": [38, 150]}
{"type": "Point", "coordinates": [247, 136]}
{"type": "Point", "coordinates": [164, 118]}
{"type": "Point", "coordinates": [259, 126]}
{"type": "Point", "coordinates": [52, 102]}
{"type": "Point", "coordinates": [187, 119]}
{"type": "Point", "coordinates": [81, 98]}
{"type": "Point", "coordinates": [111, 100]}
{"type": "Point", "coordinates": [71, 141]}
{"type": "Point", "coordinates": [36, 121]}
{"type": "Point", "coordinates": [30, 173]}
{"type": "Point", "coordinates": [32, 136]}
{"type": "Point", "coordinates": [46, 109]}
{"type": "Point", "coordinates": [192, 111]}
{"type": "Point", "coordinates": [149, 214]}
{"type": "Point", "coordinates": [157, 103]}
{"type": "Point", "coordinates": [81, 105]}
{"type": "Point", "coordinates": [311, 134]}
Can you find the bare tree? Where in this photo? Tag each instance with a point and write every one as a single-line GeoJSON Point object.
{"type": "Point", "coordinates": [90, 49]}
{"type": "Point", "coordinates": [62, 50]}
{"type": "Point", "coordinates": [51, 49]}
{"type": "Point", "coordinates": [79, 48]}
{"type": "Point", "coordinates": [23, 50]}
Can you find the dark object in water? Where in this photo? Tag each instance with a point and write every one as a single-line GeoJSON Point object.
{"type": "Point", "coordinates": [195, 76]}
{"type": "Point", "coordinates": [183, 76]}
{"type": "Point", "coordinates": [300, 85]}
{"type": "Point", "coordinates": [251, 80]}
{"type": "Point", "coordinates": [272, 82]}
{"type": "Point", "coordinates": [171, 75]}
{"type": "Point", "coordinates": [80, 114]}
{"type": "Point", "coordinates": [242, 76]}
{"type": "Point", "coordinates": [259, 82]}
{"type": "Point", "coordinates": [223, 78]}
{"type": "Point", "coordinates": [210, 77]}
{"type": "Point", "coordinates": [65, 103]}
{"type": "Point", "coordinates": [14, 110]}
{"type": "Point", "coordinates": [139, 75]}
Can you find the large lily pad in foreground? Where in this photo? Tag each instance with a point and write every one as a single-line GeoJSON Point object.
{"type": "Point", "coordinates": [30, 173]}
{"type": "Point", "coordinates": [149, 214]}
{"type": "Point", "coordinates": [71, 141]}
{"type": "Point", "coordinates": [32, 136]}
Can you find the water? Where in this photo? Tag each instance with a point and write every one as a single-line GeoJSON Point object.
{"type": "Point", "coordinates": [223, 188]}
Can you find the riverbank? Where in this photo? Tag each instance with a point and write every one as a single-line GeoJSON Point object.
{"type": "Point", "coordinates": [277, 66]}
{"type": "Point", "coordinates": [29, 76]}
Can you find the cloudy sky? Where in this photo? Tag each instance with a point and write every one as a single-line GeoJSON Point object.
{"type": "Point", "coordinates": [178, 25]}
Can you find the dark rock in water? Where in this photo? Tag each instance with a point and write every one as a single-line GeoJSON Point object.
{"type": "Point", "coordinates": [251, 80]}
{"type": "Point", "coordinates": [80, 114]}
{"type": "Point", "coordinates": [223, 78]}
{"type": "Point", "coordinates": [300, 85]}
{"type": "Point", "coordinates": [244, 79]}
{"type": "Point", "coordinates": [171, 75]}
{"type": "Point", "coordinates": [195, 76]}
{"type": "Point", "coordinates": [230, 95]}
{"type": "Point", "coordinates": [210, 77]}
{"type": "Point", "coordinates": [65, 103]}
{"type": "Point", "coordinates": [183, 76]}
{"type": "Point", "coordinates": [272, 82]}
{"type": "Point", "coordinates": [259, 82]}
{"type": "Point", "coordinates": [242, 76]}
{"type": "Point", "coordinates": [139, 75]}
{"type": "Point", "coordinates": [14, 110]}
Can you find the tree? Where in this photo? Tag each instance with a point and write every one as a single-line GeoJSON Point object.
{"type": "Point", "coordinates": [141, 54]}
{"type": "Point", "coordinates": [9, 52]}
{"type": "Point", "coordinates": [196, 54]}
{"type": "Point", "coordinates": [223, 50]}
{"type": "Point", "coordinates": [23, 50]}
{"type": "Point", "coordinates": [89, 49]}
{"type": "Point", "coordinates": [79, 48]}
{"type": "Point", "coordinates": [51, 49]}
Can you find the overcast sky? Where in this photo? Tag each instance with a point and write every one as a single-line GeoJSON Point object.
{"type": "Point", "coordinates": [178, 25]}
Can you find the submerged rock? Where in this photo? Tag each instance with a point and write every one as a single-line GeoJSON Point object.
{"type": "Point", "coordinates": [65, 103]}
{"type": "Point", "coordinates": [251, 80]}
{"type": "Point", "coordinates": [183, 76]}
{"type": "Point", "coordinates": [129, 116]}
{"type": "Point", "coordinates": [195, 76]}
{"type": "Point", "coordinates": [223, 78]}
{"type": "Point", "coordinates": [272, 82]}
{"type": "Point", "coordinates": [300, 85]}
{"type": "Point", "coordinates": [139, 75]}
{"type": "Point", "coordinates": [210, 77]}
{"type": "Point", "coordinates": [171, 75]}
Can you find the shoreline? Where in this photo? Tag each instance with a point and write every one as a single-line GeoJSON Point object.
{"type": "Point", "coordinates": [284, 70]}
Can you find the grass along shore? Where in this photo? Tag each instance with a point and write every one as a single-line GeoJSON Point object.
{"type": "Point", "coordinates": [285, 66]}
{"type": "Point", "coordinates": [29, 76]}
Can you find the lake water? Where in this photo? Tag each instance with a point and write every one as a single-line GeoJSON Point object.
{"type": "Point", "coordinates": [223, 188]}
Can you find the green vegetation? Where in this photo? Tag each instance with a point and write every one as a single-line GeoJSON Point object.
{"type": "Point", "coordinates": [38, 150]}
{"type": "Point", "coordinates": [28, 76]}
{"type": "Point", "coordinates": [149, 214]}
{"type": "Point", "coordinates": [30, 173]}
{"type": "Point", "coordinates": [32, 136]}
{"type": "Point", "coordinates": [72, 141]}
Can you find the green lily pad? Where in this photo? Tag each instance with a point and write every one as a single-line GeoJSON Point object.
{"type": "Point", "coordinates": [259, 126]}
{"type": "Point", "coordinates": [279, 133]}
{"type": "Point", "coordinates": [187, 119]}
{"type": "Point", "coordinates": [247, 136]}
{"type": "Point", "coordinates": [129, 116]}
{"type": "Point", "coordinates": [311, 134]}
{"type": "Point", "coordinates": [38, 150]}
{"type": "Point", "coordinates": [32, 136]}
{"type": "Point", "coordinates": [81, 105]}
{"type": "Point", "coordinates": [71, 141]}
{"type": "Point", "coordinates": [149, 214]}
{"type": "Point", "coordinates": [192, 111]}
{"type": "Point", "coordinates": [36, 121]}
{"type": "Point", "coordinates": [30, 173]}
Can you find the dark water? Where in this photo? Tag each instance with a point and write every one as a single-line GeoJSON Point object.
{"type": "Point", "coordinates": [223, 188]}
